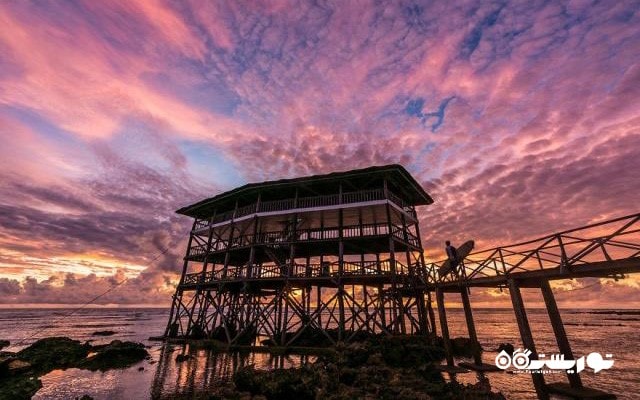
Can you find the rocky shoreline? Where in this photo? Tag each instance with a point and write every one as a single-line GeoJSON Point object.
{"type": "Point", "coordinates": [379, 367]}
{"type": "Point", "coordinates": [399, 367]}
{"type": "Point", "coordinates": [20, 372]}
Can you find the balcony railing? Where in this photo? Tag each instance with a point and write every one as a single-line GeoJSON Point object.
{"type": "Point", "coordinates": [307, 202]}
{"type": "Point", "coordinates": [306, 235]}
{"type": "Point", "coordinates": [324, 270]}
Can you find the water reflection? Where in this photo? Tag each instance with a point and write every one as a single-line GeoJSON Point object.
{"type": "Point", "coordinates": [610, 331]}
{"type": "Point", "coordinates": [203, 369]}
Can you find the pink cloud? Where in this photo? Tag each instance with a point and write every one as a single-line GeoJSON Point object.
{"type": "Point", "coordinates": [107, 106]}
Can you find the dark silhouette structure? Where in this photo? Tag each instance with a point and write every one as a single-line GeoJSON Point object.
{"type": "Point", "coordinates": [606, 249]}
{"type": "Point", "coordinates": [304, 261]}
{"type": "Point", "coordinates": [333, 257]}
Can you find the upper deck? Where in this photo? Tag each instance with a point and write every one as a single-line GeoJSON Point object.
{"type": "Point", "coordinates": [362, 187]}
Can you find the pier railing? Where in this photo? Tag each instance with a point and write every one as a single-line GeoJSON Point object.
{"type": "Point", "coordinates": [360, 196]}
{"type": "Point", "coordinates": [567, 251]}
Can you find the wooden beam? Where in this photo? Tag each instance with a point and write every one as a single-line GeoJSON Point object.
{"type": "Point", "coordinates": [340, 272]}
{"type": "Point", "coordinates": [559, 332]}
{"type": "Point", "coordinates": [598, 269]}
{"type": "Point", "coordinates": [526, 336]}
{"type": "Point", "coordinates": [442, 314]}
{"type": "Point", "coordinates": [471, 327]}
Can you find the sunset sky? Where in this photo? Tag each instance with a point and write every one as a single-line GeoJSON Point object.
{"type": "Point", "coordinates": [519, 118]}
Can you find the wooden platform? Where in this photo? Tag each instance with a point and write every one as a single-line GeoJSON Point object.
{"type": "Point", "coordinates": [564, 389]}
{"type": "Point", "coordinates": [480, 368]}
{"type": "Point", "coordinates": [531, 279]}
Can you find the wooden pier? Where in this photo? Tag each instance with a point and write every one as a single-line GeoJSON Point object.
{"type": "Point", "coordinates": [607, 249]}
{"type": "Point", "coordinates": [330, 258]}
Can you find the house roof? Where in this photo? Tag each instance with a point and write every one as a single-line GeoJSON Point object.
{"type": "Point", "coordinates": [396, 175]}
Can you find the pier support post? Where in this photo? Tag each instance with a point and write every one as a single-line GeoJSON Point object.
{"type": "Point", "coordinates": [471, 327]}
{"type": "Point", "coordinates": [432, 316]}
{"type": "Point", "coordinates": [442, 314]}
{"type": "Point", "coordinates": [526, 336]}
{"type": "Point", "coordinates": [559, 332]}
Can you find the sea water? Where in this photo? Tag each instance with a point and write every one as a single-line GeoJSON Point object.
{"type": "Point", "coordinates": [603, 331]}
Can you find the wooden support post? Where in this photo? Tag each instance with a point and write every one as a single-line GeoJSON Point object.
{"type": "Point", "coordinates": [526, 336]}
{"type": "Point", "coordinates": [444, 327]}
{"type": "Point", "coordinates": [206, 254]}
{"type": "Point", "coordinates": [177, 301]}
{"type": "Point", "coordinates": [401, 311]}
{"type": "Point", "coordinates": [227, 254]}
{"type": "Point", "coordinates": [366, 307]}
{"type": "Point", "coordinates": [341, 311]}
{"type": "Point", "coordinates": [175, 307]}
{"type": "Point", "coordinates": [292, 247]}
{"type": "Point", "coordinates": [254, 240]}
{"type": "Point", "coordinates": [396, 311]}
{"type": "Point", "coordinates": [322, 225]}
{"type": "Point", "coordinates": [392, 251]}
{"type": "Point", "coordinates": [415, 278]}
{"type": "Point", "coordinates": [422, 313]}
{"type": "Point", "coordinates": [340, 272]}
{"type": "Point", "coordinates": [471, 327]}
{"type": "Point", "coordinates": [196, 320]}
{"type": "Point", "coordinates": [383, 311]}
{"type": "Point", "coordinates": [340, 246]}
{"type": "Point", "coordinates": [405, 235]}
{"type": "Point", "coordinates": [352, 309]}
{"type": "Point", "coordinates": [252, 249]}
{"type": "Point", "coordinates": [285, 319]}
{"type": "Point", "coordinates": [318, 304]}
{"type": "Point", "coordinates": [422, 273]}
{"type": "Point", "coordinates": [278, 310]}
{"type": "Point", "coordinates": [559, 332]}
{"type": "Point", "coordinates": [197, 301]}
{"type": "Point", "coordinates": [293, 239]}
{"type": "Point", "coordinates": [186, 257]}
{"type": "Point", "coordinates": [432, 315]}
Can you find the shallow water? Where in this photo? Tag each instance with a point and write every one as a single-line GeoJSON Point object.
{"type": "Point", "coordinates": [587, 332]}
{"type": "Point", "coordinates": [162, 377]}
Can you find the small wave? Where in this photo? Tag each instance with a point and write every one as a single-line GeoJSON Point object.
{"type": "Point", "coordinates": [614, 312]}
{"type": "Point", "coordinates": [621, 319]}
{"type": "Point", "coordinates": [98, 325]}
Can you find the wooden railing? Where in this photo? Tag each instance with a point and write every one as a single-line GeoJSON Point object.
{"type": "Point", "coordinates": [296, 270]}
{"type": "Point", "coordinates": [200, 224]}
{"type": "Point", "coordinates": [306, 235]}
{"type": "Point", "coordinates": [607, 241]}
{"type": "Point", "coordinates": [307, 202]}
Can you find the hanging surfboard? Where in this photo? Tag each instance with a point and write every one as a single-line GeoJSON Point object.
{"type": "Point", "coordinates": [463, 251]}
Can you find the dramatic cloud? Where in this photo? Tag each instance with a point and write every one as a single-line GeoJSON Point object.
{"type": "Point", "coordinates": [520, 118]}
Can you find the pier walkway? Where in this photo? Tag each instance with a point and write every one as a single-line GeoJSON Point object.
{"type": "Point", "coordinates": [607, 249]}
